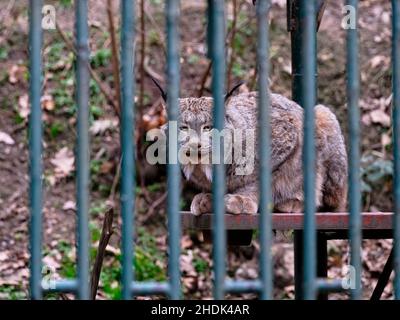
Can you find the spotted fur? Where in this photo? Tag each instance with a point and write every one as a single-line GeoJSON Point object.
{"type": "Point", "coordinates": [286, 120]}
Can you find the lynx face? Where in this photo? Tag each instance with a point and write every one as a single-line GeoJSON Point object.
{"type": "Point", "coordinates": [195, 129]}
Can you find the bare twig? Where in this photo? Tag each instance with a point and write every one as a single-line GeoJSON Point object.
{"type": "Point", "coordinates": [151, 72]}
{"type": "Point", "coordinates": [142, 54]}
{"type": "Point", "coordinates": [105, 91]}
{"type": "Point", "coordinates": [204, 80]}
{"type": "Point", "coordinates": [253, 81]}
{"type": "Point", "coordinates": [150, 17]}
{"type": "Point", "coordinates": [154, 206]}
{"type": "Point", "coordinates": [114, 57]}
{"type": "Point", "coordinates": [208, 70]}
{"type": "Point", "coordinates": [232, 42]}
{"type": "Point", "coordinates": [105, 236]}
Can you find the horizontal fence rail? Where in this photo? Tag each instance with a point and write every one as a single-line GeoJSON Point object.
{"type": "Point", "coordinates": [309, 281]}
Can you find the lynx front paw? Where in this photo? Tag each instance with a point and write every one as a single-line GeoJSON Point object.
{"type": "Point", "coordinates": [239, 204]}
{"type": "Point", "coordinates": [201, 203]}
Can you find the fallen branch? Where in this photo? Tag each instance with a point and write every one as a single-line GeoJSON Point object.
{"type": "Point", "coordinates": [106, 233]}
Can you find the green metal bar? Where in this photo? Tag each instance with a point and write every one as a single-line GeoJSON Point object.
{"type": "Point", "coordinates": [244, 286]}
{"type": "Point", "coordinates": [324, 285]}
{"type": "Point", "coordinates": [265, 222]}
{"type": "Point", "coordinates": [127, 149]}
{"type": "Point", "coordinates": [297, 37]}
{"type": "Point", "coordinates": [308, 98]}
{"type": "Point", "coordinates": [396, 143]}
{"type": "Point", "coordinates": [353, 92]}
{"type": "Point", "coordinates": [149, 287]}
{"type": "Point", "coordinates": [82, 149]}
{"type": "Point", "coordinates": [66, 286]}
{"type": "Point", "coordinates": [216, 14]}
{"type": "Point", "coordinates": [173, 169]}
{"type": "Point", "coordinates": [35, 147]}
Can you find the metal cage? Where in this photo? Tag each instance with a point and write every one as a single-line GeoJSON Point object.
{"type": "Point", "coordinates": [303, 26]}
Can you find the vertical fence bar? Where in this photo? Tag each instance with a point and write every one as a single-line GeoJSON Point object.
{"type": "Point", "coordinates": [308, 98]}
{"type": "Point", "coordinates": [35, 147]}
{"type": "Point", "coordinates": [173, 170]}
{"type": "Point", "coordinates": [353, 92]}
{"type": "Point", "coordinates": [127, 148]}
{"type": "Point", "coordinates": [217, 45]}
{"type": "Point", "coordinates": [396, 142]}
{"type": "Point", "coordinates": [82, 149]}
{"type": "Point", "coordinates": [264, 144]}
{"type": "Point", "coordinates": [297, 75]}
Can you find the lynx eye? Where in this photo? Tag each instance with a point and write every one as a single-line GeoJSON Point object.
{"type": "Point", "coordinates": [184, 128]}
{"type": "Point", "coordinates": [207, 128]}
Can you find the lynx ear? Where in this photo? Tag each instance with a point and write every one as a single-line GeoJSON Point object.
{"type": "Point", "coordinates": [163, 93]}
{"type": "Point", "coordinates": [229, 94]}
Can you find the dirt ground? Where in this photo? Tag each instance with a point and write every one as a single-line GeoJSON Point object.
{"type": "Point", "coordinates": [151, 238]}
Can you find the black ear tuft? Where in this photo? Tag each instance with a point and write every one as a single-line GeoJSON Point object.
{"type": "Point", "coordinates": [163, 93]}
{"type": "Point", "coordinates": [254, 2]}
{"type": "Point", "coordinates": [233, 90]}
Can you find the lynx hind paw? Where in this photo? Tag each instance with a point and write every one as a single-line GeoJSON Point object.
{"type": "Point", "coordinates": [201, 203]}
{"type": "Point", "coordinates": [240, 204]}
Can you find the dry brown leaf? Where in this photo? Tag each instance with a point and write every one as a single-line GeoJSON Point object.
{"type": "Point", "coordinates": [186, 263]}
{"type": "Point", "coordinates": [101, 126]}
{"type": "Point", "coordinates": [4, 256]}
{"type": "Point", "coordinates": [379, 60]}
{"type": "Point", "coordinates": [6, 138]}
{"type": "Point", "coordinates": [51, 263]}
{"type": "Point", "coordinates": [63, 162]}
{"type": "Point", "coordinates": [47, 102]}
{"type": "Point", "coordinates": [106, 167]}
{"type": "Point", "coordinates": [386, 140]}
{"type": "Point", "coordinates": [16, 73]}
{"type": "Point", "coordinates": [69, 205]}
{"type": "Point", "coordinates": [23, 106]}
{"type": "Point", "coordinates": [379, 116]}
{"type": "Point", "coordinates": [366, 119]}
{"type": "Point", "coordinates": [186, 242]}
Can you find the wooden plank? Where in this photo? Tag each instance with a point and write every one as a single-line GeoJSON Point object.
{"type": "Point", "coordinates": [287, 221]}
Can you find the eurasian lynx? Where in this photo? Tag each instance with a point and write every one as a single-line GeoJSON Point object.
{"type": "Point", "coordinates": [286, 160]}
